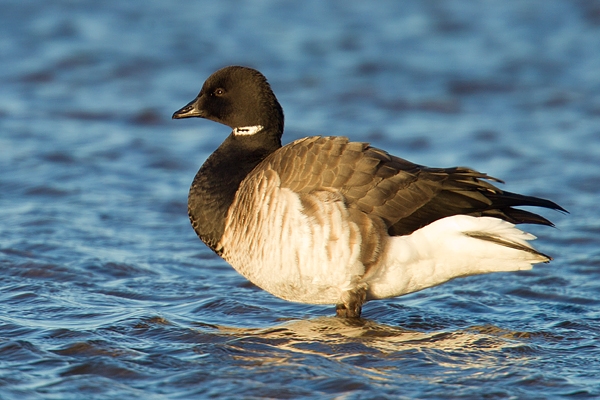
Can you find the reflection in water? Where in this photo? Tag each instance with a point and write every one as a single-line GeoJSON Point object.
{"type": "Point", "coordinates": [322, 336]}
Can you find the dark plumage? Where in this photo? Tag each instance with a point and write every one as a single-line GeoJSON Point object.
{"type": "Point", "coordinates": [261, 194]}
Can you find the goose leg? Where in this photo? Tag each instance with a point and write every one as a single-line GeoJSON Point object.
{"type": "Point", "coordinates": [352, 301]}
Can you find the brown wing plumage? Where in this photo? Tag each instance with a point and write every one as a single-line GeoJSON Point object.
{"type": "Point", "coordinates": [404, 195]}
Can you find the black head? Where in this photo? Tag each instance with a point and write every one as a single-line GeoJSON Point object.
{"type": "Point", "coordinates": [236, 97]}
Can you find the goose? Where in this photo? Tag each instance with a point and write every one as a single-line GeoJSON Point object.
{"type": "Point", "coordinates": [324, 220]}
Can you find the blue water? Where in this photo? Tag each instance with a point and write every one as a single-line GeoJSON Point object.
{"type": "Point", "coordinates": [106, 292]}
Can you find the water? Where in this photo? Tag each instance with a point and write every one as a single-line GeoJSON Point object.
{"type": "Point", "coordinates": [107, 293]}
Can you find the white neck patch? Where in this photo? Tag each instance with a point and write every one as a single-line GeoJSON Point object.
{"type": "Point", "coordinates": [247, 130]}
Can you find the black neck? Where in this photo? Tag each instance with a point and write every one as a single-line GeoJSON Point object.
{"type": "Point", "coordinates": [219, 178]}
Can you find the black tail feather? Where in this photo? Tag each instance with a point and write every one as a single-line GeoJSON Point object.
{"type": "Point", "coordinates": [518, 216]}
{"type": "Point", "coordinates": [509, 199]}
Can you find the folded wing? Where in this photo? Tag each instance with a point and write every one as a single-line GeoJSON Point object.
{"type": "Point", "coordinates": [406, 196]}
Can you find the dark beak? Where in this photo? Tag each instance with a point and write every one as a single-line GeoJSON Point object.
{"type": "Point", "coordinates": [189, 111]}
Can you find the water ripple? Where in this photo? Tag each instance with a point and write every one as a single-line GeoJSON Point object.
{"type": "Point", "coordinates": [106, 292]}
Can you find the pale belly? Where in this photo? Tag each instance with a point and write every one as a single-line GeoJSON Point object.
{"type": "Point", "coordinates": [281, 249]}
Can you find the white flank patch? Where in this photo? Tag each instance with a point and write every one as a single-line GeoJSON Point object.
{"type": "Point", "coordinates": [247, 130]}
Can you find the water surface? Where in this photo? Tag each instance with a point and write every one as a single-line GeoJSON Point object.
{"type": "Point", "coordinates": [107, 293]}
